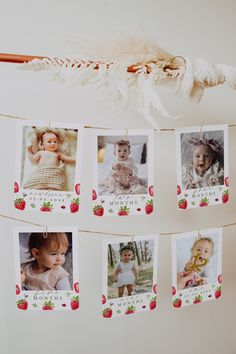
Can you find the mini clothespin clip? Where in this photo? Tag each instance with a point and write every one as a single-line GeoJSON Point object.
{"type": "Point", "coordinates": [132, 239]}
{"type": "Point", "coordinates": [201, 133]}
{"type": "Point", "coordinates": [45, 234]}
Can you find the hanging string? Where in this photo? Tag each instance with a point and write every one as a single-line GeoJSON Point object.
{"type": "Point", "coordinates": [104, 233]}
{"type": "Point", "coordinates": [3, 115]}
{"type": "Point", "coordinates": [20, 220]}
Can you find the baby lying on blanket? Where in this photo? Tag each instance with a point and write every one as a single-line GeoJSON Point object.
{"type": "Point", "coordinates": [123, 172]}
{"type": "Point", "coordinates": [50, 174]}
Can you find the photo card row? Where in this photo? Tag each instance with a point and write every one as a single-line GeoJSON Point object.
{"type": "Point", "coordinates": [47, 267]}
{"type": "Point", "coordinates": [49, 168]}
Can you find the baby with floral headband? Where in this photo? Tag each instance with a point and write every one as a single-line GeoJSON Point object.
{"type": "Point", "coordinates": [205, 169]}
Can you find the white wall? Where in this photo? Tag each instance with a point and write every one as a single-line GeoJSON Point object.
{"type": "Point", "coordinates": [195, 28]}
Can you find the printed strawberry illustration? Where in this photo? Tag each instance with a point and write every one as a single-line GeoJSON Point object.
{"type": "Point", "coordinates": [77, 189]}
{"type": "Point", "coordinates": [177, 303]}
{"type": "Point", "coordinates": [220, 278]}
{"type": "Point", "coordinates": [225, 196]}
{"type": "Point", "coordinates": [47, 206]}
{"type": "Point", "coordinates": [123, 211]}
{"type": "Point", "coordinates": [74, 304]}
{"type": "Point", "coordinates": [17, 289]}
{"type": "Point", "coordinates": [173, 291]}
{"type": "Point", "coordinates": [76, 287]}
{"type": "Point", "coordinates": [197, 299]}
{"type": "Point", "coordinates": [74, 205]}
{"type": "Point", "coordinates": [204, 202]}
{"type": "Point", "coordinates": [218, 292]}
{"type": "Point", "coordinates": [19, 203]}
{"type": "Point", "coordinates": [227, 181]}
{"type": "Point", "coordinates": [98, 210]}
{"type": "Point", "coordinates": [130, 309]}
{"type": "Point", "coordinates": [153, 303]}
{"type": "Point", "coordinates": [182, 203]}
{"type": "Point", "coordinates": [107, 312]}
{"type": "Point", "coordinates": [151, 191]}
{"type": "Point", "coordinates": [154, 288]}
{"type": "Point", "coordinates": [149, 206]}
{"type": "Point", "coordinates": [178, 190]}
{"type": "Point", "coordinates": [16, 187]}
{"type": "Point", "coordinates": [104, 300]}
{"type": "Point", "coordinates": [48, 305]}
{"type": "Point", "coordinates": [22, 304]}
{"type": "Point", "coordinates": [94, 195]}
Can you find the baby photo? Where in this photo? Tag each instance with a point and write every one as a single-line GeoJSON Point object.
{"type": "Point", "coordinates": [130, 274]}
{"type": "Point", "coordinates": [123, 173]}
{"type": "Point", "coordinates": [48, 167]}
{"type": "Point", "coordinates": [202, 166]}
{"type": "Point", "coordinates": [46, 261]}
{"type": "Point", "coordinates": [122, 165]}
{"type": "Point", "coordinates": [197, 265]}
{"type": "Point", "coordinates": [48, 158]}
{"type": "Point", "coordinates": [46, 268]}
{"type": "Point", "coordinates": [202, 159]}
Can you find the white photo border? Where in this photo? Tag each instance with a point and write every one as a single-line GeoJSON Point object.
{"type": "Point", "coordinates": [134, 303]}
{"type": "Point", "coordinates": [199, 197]}
{"type": "Point", "coordinates": [201, 293]}
{"type": "Point", "coordinates": [34, 200]}
{"type": "Point", "coordinates": [35, 299]}
{"type": "Point", "coordinates": [137, 204]}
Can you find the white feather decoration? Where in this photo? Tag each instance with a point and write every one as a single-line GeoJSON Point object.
{"type": "Point", "coordinates": [230, 75]}
{"type": "Point", "coordinates": [130, 72]}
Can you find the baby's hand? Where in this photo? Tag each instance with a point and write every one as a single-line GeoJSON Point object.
{"type": "Point", "coordinates": [30, 149]}
{"type": "Point", "coordinates": [200, 281]}
{"type": "Point", "coordinates": [126, 170]}
{"type": "Point", "coordinates": [213, 181]}
{"type": "Point", "coordinates": [116, 166]}
{"type": "Point", "coordinates": [22, 275]}
{"type": "Point", "coordinates": [192, 185]}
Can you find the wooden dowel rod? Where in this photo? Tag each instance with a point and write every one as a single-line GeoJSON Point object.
{"type": "Point", "coordinates": [17, 58]}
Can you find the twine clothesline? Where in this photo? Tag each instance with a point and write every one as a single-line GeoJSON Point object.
{"type": "Point", "coordinates": [3, 115]}
{"type": "Point", "coordinates": [101, 232]}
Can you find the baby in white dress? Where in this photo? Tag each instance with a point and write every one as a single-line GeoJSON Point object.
{"type": "Point", "coordinates": [125, 272]}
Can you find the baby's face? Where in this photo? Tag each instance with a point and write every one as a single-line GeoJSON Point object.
{"type": "Point", "coordinates": [203, 249]}
{"type": "Point", "coordinates": [202, 158]}
{"type": "Point", "coordinates": [50, 142]}
{"type": "Point", "coordinates": [51, 258]}
{"type": "Point", "coordinates": [122, 152]}
{"type": "Point", "coordinates": [126, 256]}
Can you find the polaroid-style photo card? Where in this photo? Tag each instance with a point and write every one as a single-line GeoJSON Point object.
{"type": "Point", "coordinates": [123, 173]}
{"type": "Point", "coordinates": [48, 167]}
{"type": "Point", "coordinates": [202, 166]}
{"type": "Point", "coordinates": [129, 275]}
{"type": "Point", "coordinates": [196, 267]}
{"type": "Point", "coordinates": [46, 266]}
